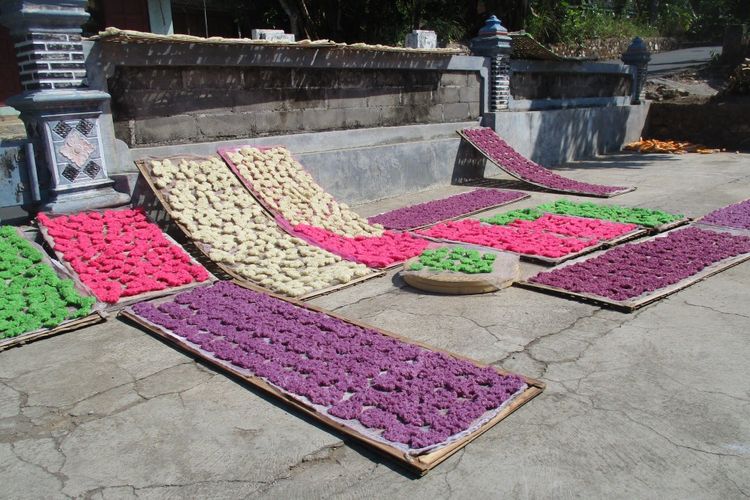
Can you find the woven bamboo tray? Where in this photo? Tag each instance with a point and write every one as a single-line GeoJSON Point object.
{"type": "Point", "coordinates": [97, 315]}
{"type": "Point", "coordinates": [420, 463]}
{"type": "Point", "coordinates": [124, 301]}
{"type": "Point", "coordinates": [520, 178]}
{"type": "Point", "coordinates": [645, 299]}
{"type": "Point", "coordinates": [145, 171]}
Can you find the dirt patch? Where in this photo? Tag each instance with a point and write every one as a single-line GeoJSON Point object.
{"type": "Point", "coordinates": [693, 105]}
{"type": "Point", "coordinates": [716, 122]}
{"type": "Point", "coordinates": [690, 86]}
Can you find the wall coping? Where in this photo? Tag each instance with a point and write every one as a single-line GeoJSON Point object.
{"type": "Point", "coordinates": [103, 58]}
{"type": "Point", "coordinates": [112, 35]}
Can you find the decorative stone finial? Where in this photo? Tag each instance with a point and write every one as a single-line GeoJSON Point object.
{"type": "Point", "coordinates": [637, 52]}
{"type": "Point", "coordinates": [492, 40]}
{"type": "Point", "coordinates": [492, 26]}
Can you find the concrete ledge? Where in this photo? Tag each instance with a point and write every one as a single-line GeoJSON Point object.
{"type": "Point", "coordinates": [581, 102]}
{"type": "Point", "coordinates": [363, 165]}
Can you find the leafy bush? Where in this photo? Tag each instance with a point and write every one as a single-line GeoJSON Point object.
{"type": "Point", "coordinates": [577, 23]}
{"type": "Point", "coordinates": [675, 18]}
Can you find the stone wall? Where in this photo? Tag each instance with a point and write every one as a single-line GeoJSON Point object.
{"type": "Point", "coordinates": [50, 61]}
{"type": "Point", "coordinates": [168, 105]}
{"type": "Point", "coordinates": [556, 136]}
{"type": "Point", "coordinates": [612, 48]}
{"type": "Point", "coordinates": [536, 85]}
{"type": "Point", "coordinates": [568, 85]}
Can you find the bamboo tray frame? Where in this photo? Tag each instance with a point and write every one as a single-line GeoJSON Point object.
{"type": "Point", "coordinates": [645, 299]}
{"type": "Point", "coordinates": [65, 326]}
{"type": "Point", "coordinates": [517, 176]}
{"type": "Point", "coordinates": [50, 241]}
{"type": "Point", "coordinates": [145, 171]}
{"type": "Point", "coordinates": [457, 217]}
{"type": "Point", "coordinates": [635, 233]}
{"type": "Point", "coordinates": [284, 224]}
{"type": "Point", "coordinates": [663, 228]}
{"type": "Point", "coordinates": [421, 464]}
{"type": "Point", "coordinates": [97, 315]}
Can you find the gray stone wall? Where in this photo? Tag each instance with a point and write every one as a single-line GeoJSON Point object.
{"type": "Point", "coordinates": [556, 136]}
{"type": "Point", "coordinates": [169, 105]}
{"type": "Point", "coordinates": [554, 85]}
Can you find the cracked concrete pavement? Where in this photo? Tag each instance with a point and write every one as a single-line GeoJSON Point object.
{"type": "Point", "coordinates": [654, 404]}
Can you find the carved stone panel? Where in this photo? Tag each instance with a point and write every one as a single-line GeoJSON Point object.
{"type": "Point", "coordinates": [76, 150]}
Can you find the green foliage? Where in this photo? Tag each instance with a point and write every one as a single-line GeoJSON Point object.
{"type": "Point", "coordinates": [565, 22]}
{"type": "Point", "coordinates": [549, 21]}
{"type": "Point", "coordinates": [711, 16]}
{"type": "Point", "coordinates": [587, 21]}
{"type": "Point", "coordinates": [675, 18]}
{"type": "Point", "coordinates": [575, 22]}
{"type": "Point", "coordinates": [544, 22]}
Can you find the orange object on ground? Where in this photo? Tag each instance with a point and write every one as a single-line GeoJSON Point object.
{"type": "Point", "coordinates": [675, 147]}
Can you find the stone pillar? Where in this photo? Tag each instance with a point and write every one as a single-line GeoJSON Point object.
{"type": "Point", "coordinates": [160, 17]}
{"type": "Point", "coordinates": [493, 42]}
{"type": "Point", "coordinates": [637, 57]}
{"type": "Point", "coordinates": [61, 115]}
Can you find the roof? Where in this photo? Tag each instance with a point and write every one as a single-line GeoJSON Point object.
{"type": "Point", "coordinates": [526, 46]}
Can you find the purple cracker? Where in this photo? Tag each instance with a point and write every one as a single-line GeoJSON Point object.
{"type": "Point", "coordinates": [510, 160]}
{"type": "Point", "coordinates": [432, 212]}
{"type": "Point", "coordinates": [400, 392]}
{"type": "Point", "coordinates": [631, 270]}
{"type": "Point", "coordinates": [734, 216]}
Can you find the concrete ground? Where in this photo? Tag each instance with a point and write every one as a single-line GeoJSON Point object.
{"type": "Point", "coordinates": [654, 404]}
